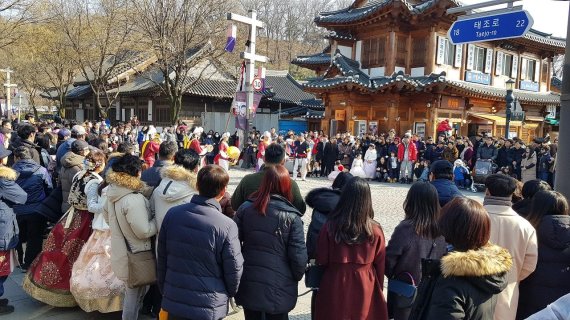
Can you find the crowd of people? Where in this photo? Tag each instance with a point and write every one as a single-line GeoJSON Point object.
{"type": "Point", "coordinates": [142, 221]}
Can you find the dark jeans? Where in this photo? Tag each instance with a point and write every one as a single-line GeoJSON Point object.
{"type": "Point", "coordinates": [32, 228]}
{"type": "Point", "coordinates": [153, 299]}
{"type": "Point", "coordinates": [2, 280]}
{"type": "Point", "coordinates": [258, 315]}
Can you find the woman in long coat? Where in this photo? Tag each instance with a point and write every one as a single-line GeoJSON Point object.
{"type": "Point", "coordinates": [351, 248]}
{"type": "Point", "coordinates": [370, 162]}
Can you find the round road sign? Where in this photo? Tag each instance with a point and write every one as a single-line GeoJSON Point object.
{"type": "Point", "coordinates": [257, 84]}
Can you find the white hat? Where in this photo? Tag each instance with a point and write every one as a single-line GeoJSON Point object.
{"type": "Point", "coordinates": [458, 163]}
{"type": "Point", "coordinates": [198, 130]}
{"type": "Point", "coordinates": [225, 135]}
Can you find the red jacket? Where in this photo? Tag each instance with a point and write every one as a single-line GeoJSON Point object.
{"type": "Point", "coordinates": [444, 126]}
{"type": "Point", "coordinates": [412, 151]}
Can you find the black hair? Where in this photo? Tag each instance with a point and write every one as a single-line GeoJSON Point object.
{"type": "Point", "coordinates": [25, 130]}
{"type": "Point", "coordinates": [187, 158]}
{"type": "Point", "coordinates": [531, 187]}
{"type": "Point", "coordinates": [22, 153]}
{"type": "Point", "coordinates": [442, 172]}
{"type": "Point", "coordinates": [167, 149]}
{"type": "Point", "coordinates": [547, 203]}
{"type": "Point", "coordinates": [274, 154]}
{"type": "Point", "coordinates": [128, 164]}
{"type": "Point", "coordinates": [465, 224]}
{"type": "Point", "coordinates": [352, 219]}
{"type": "Point", "coordinates": [125, 147]}
{"type": "Point", "coordinates": [212, 179]}
{"type": "Point", "coordinates": [500, 185]}
{"type": "Point", "coordinates": [43, 140]}
{"type": "Point", "coordinates": [29, 116]}
{"type": "Point", "coordinates": [422, 209]}
{"type": "Point", "coordinates": [341, 180]}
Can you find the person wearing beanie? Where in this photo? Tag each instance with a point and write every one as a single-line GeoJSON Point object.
{"type": "Point", "coordinates": [71, 163]}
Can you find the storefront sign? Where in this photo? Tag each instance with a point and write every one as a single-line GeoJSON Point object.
{"type": "Point", "coordinates": [476, 77]}
{"type": "Point", "coordinates": [517, 116]}
{"type": "Point", "coordinates": [455, 103]}
{"type": "Point", "coordinates": [373, 127]}
{"type": "Point", "coordinates": [420, 129]}
{"type": "Point", "coordinates": [340, 115]}
{"type": "Point", "coordinates": [529, 85]}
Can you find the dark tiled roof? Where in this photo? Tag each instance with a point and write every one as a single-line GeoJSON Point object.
{"type": "Point", "coordinates": [545, 38]}
{"type": "Point", "coordinates": [286, 89]}
{"type": "Point", "coordinates": [556, 82]}
{"type": "Point", "coordinates": [313, 59]}
{"type": "Point", "coordinates": [120, 63]}
{"type": "Point", "coordinates": [78, 92]}
{"type": "Point", "coordinates": [304, 112]}
{"type": "Point", "coordinates": [339, 35]}
{"type": "Point", "coordinates": [487, 91]}
{"type": "Point", "coordinates": [213, 88]}
{"type": "Point", "coordinates": [351, 15]}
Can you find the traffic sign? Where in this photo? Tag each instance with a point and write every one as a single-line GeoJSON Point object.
{"type": "Point", "coordinates": [257, 84]}
{"type": "Point", "coordinates": [490, 26]}
{"type": "Point", "coordinates": [517, 116]}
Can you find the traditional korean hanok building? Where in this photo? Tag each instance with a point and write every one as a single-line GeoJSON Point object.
{"type": "Point", "coordinates": [206, 103]}
{"type": "Point", "coordinates": [391, 65]}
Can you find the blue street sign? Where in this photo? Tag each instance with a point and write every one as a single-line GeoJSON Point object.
{"type": "Point", "coordinates": [490, 26]}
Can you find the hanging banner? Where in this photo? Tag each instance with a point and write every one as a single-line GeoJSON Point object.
{"type": "Point", "coordinates": [231, 42]}
{"type": "Point", "coordinates": [240, 108]}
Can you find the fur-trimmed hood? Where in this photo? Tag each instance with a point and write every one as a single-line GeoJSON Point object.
{"type": "Point", "coordinates": [485, 268]}
{"type": "Point", "coordinates": [122, 184]}
{"type": "Point", "coordinates": [177, 183]}
{"type": "Point", "coordinates": [179, 173]}
{"type": "Point", "coordinates": [8, 173]}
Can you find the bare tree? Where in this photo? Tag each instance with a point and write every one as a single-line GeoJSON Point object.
{"type": "Point", "coordinates": [98, 33]}
{"type": "Point", "coordinates": [14, 14]}
{"type": "Point", "coordinates": [186, 38]}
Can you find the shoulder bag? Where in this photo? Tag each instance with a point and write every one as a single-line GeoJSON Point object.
{"type": "Point", "coordinates": [141, 265]}
{"type": "Point", "coordinates": [404, 292]}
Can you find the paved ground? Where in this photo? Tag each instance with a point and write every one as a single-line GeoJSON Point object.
{"type": "Point", "coordinates": [388, 201]}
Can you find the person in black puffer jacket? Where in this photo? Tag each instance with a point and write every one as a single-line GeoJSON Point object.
{"type": "Point", "coordinates": [273, 247]}
{"type": "Point", "coordinates": [530, 188]}
{"type": "Point", "coordinates": [323, 201]}
{"type": "Point", "coordinates": [465, 283]}
{"type": "Point", "coordinates": [549, 214]}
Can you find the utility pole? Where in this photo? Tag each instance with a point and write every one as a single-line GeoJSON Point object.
{"type": "Point", "coordinates": [9, 85]}
{"type": "Point", "coordinates": [562, 178]}
{"type": "Point", "coordinates": [250, 56]}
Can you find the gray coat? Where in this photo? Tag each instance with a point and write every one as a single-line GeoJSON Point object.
{"type": "Point", "coordinates": [71, 164]}
{"type": "Point", "coordinates": [10, 194]}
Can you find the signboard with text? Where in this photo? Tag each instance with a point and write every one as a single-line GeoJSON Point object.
{"type": "Point", "coordinates": [490, 26]}
{"type": "Point", "coordinates": [529, 85]}
{"type": "Point", "coordinates": [477, 77]}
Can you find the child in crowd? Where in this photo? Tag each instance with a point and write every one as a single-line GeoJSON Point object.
{"type": "Point", "coordinates": [461, 174]}
{"type": "Point", "coordinates": [425, 172]}
{"type": "Point", "coordinates": [357, 168]}
{"type": "Point", "coordinates": [382, 170]}
{"type": "Point", "coordinates": [393, 167]}
{"type": "Point", "coordinates": [316, 170]}
{"type": "Point", "coordinates": [419, 169]}
{"type": "Point", "coordinates": [338, 168]}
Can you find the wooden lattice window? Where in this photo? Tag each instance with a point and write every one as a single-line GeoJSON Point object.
{"type": "Point", "coordinates": [420, 114]}
{"type": "Point", "coordinates": [373, 52]}
{"type": "Point", "coordinates": [419, 52]}
{"type": "Point", "coordinates": [401, 51]}
{"type": "Point", "coordinates": [361, 113]}
{"type": "Point", "coordinates": [403, 114]}
{"type": "Point", "coordinates": [544, 76]}
{"type": "Point", "coordinates": [380, 114]}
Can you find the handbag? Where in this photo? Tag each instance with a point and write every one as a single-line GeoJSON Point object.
{"type": "Point", "coordinates": [313, 275]}
{"type": "Point", "coordinates": [141, 265]}
{"type": "Point", "coordinates": [402, 292]}
{"type": "Point", "coordinates": [5, 263]}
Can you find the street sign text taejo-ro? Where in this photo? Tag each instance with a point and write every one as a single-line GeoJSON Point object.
{"type": "Point", "coordinates": [491, 26]}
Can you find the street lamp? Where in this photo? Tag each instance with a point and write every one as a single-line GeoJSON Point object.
{"type": "Point", "coordinates": [509, 98]}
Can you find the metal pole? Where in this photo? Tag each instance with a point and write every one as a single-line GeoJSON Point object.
{"type": "Point", "coordinates": [19, 106]}
{"type": "Point", "coordinates": [562, 177]}
{"type": "Point", "coordinates": [508, 112]}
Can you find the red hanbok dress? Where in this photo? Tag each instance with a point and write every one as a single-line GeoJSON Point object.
{"type": "Point", "coordinates": [48, 278]}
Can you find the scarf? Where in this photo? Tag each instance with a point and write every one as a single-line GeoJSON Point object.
{"type": "Point", "coordinates": [498, 201]}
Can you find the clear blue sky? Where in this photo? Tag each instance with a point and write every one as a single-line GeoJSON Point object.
{"type": "Point", "coordinates": [549, 16]}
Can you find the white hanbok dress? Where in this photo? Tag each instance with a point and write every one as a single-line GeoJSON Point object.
{"type": "Point", "coordinates": [370, 163]}
{"type": "Point", "coordinates": [357, 169]}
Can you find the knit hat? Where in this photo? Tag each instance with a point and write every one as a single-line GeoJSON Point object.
{"type": "Point", "coordinates": [78, 146]}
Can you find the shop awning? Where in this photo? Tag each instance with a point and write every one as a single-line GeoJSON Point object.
{"type": "Point", "coordinates": [534, 118]}
{"type": "Point", "coordinates": [500, 121]}
{"type": "Point", "coordinates": [553, 122]}
{"type": "Point", "coordinates": [530, 125]}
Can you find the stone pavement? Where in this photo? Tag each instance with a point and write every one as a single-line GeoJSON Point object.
{"type": "Point", "coordinates": [388, 202]}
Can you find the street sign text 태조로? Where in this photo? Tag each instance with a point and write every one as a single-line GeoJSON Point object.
{"type": "Point", "coordinates": [490, 26]}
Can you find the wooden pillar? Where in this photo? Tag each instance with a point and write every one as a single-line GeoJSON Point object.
{"type": "Point", "coordinates": [431, 49]}
{"type": "Point", "coordinates": [409, 55]}
{"type": "Point", "coordinates": [391, 54]}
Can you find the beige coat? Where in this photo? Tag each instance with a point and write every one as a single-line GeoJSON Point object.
{"type": "Point", "coordinates": [530, 173]}
{"type": "Point", "coordinates": [177, 187]}
{"type": "Point", "coordinates": [516, 234]}
{"type": "Point", "coordinates": [127, 206]}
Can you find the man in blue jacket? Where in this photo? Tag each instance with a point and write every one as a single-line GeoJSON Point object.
{"type": "Point", "coordinates": [441, 177]}
{"type": "Point", "coordinates": [199, 254]}
{"type": "Point", "coordinates": [36, 182]}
